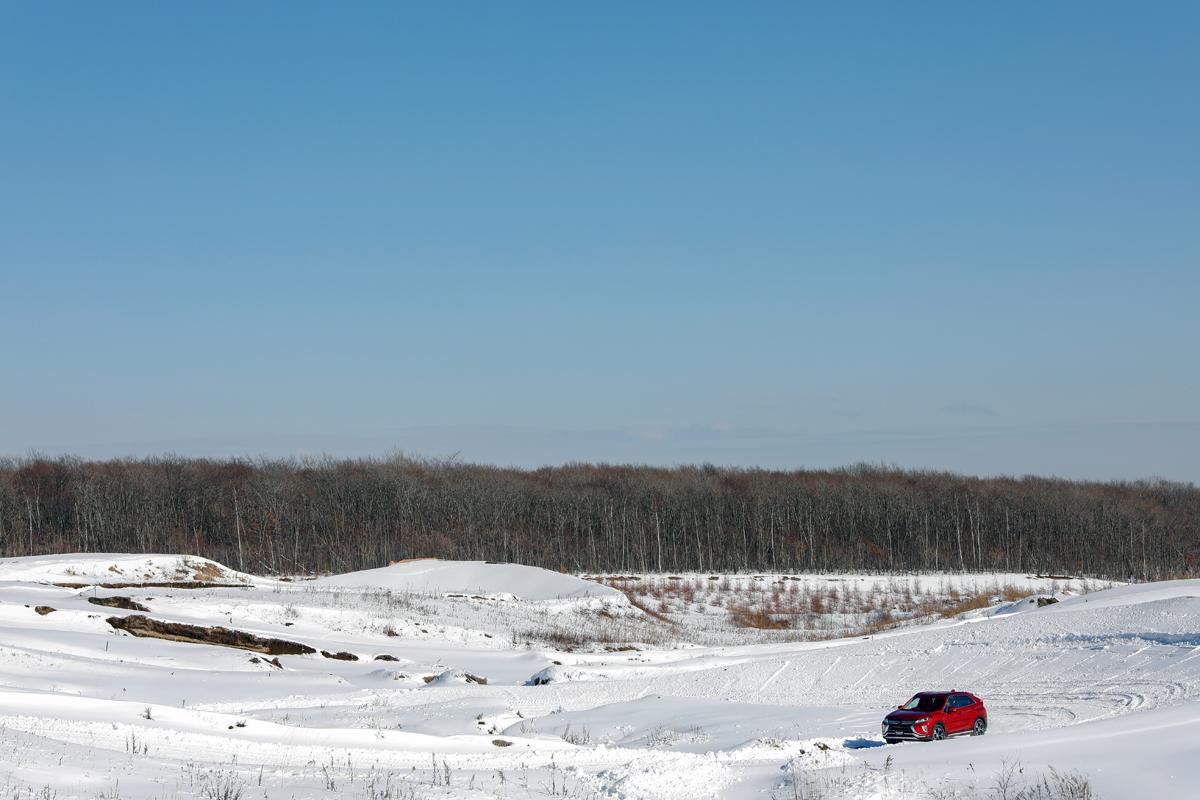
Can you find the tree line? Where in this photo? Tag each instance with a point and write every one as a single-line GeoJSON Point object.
{"type": "Point", "coordinates": [287, 515]}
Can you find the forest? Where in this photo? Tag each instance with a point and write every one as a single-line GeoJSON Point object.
{"type": "Point", "coordinates": [289, 516]}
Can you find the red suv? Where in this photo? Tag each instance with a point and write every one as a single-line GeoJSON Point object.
{"type": "Point", "coordinates": [930, 716]}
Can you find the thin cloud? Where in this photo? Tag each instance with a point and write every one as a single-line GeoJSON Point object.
{"type": "Point", "coordinates": [971, 410]}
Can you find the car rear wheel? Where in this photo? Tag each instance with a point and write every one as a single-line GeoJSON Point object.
{"type": "Point", "coordinates": [980, 727]}
{"type": "Point", "coordinates": [939, 732]}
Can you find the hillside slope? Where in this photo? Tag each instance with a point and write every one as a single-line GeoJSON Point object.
{"type": "Point", "coordinates": [441, 680]}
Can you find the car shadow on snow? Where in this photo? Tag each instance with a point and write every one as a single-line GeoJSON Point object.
{"type": "Point", "coordinates": [860, 743]}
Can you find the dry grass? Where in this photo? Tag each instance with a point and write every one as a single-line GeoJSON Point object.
{"type": "Point", "coordinates": [761, 619]}
{"type": "Point", "coordinates": [810, 608]}
{"type": "Point", "coordinates": [630, 587]}
{"type": "Point", "coordinates": [208, 572]}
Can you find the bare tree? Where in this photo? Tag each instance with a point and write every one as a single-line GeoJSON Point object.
{"type": "Point", "coordinates": [284, 515]}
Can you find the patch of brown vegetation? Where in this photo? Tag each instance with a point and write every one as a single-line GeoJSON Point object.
{"type": "Point", "coordinates": [639, 605]}
{"type": "Point", "coordinates": [341, 655]}
{"type": "Point", "coordinates": [744, 617]}
{"type": "Point", "coordinates": [118, 602]}
{"type": "Point", "coordinates": [806, 608]}
{"type": "Point", "coordinates": [562, 639]}
{"type": "Point", "coordinates": [207, 572]}
{"type": "Point", "coordinates": [960, 604]}
{"type": "Point", "coordinates": [44, 610]}
{"type": "Point", "coordinates": [138, 625]}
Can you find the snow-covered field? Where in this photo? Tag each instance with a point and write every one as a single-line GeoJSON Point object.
{"type": "Point", "coordinates": [392, 702]}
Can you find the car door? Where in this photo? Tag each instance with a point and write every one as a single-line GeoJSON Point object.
{"type": "Point", "coordinates": [960, 718]}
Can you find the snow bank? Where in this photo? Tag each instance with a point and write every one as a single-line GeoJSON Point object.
{"type": "Point", "coordinates": [1132, 594]}
{"type": "Point", "coordinates": [453, 677]}
{"type": "Point", "coordinates": [475, 578]}
{"type": "Point", "coordinates": [662, 777]}
{"type": "Point", "coordinates": [560, 674]}
{"type": "Point", "coordinates": [101, 568]}
{"type": "Point", "coordinates": [1032, 603]}
{"type": "Point", "coordinates": [1115, 597]}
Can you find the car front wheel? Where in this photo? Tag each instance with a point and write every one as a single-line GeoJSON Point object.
{"type": "Point", "coordinates": [939, 732]}
{"type": "Point", "coordinates": [980, 727]}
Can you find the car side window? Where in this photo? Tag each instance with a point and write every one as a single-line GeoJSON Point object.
{"type": "Point", "coordinates": [960, 701]}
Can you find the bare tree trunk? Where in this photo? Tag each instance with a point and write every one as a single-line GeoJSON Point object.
{"type": "Point", "coordinates": [237, 517]}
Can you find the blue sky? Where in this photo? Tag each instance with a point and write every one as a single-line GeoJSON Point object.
{"type": "Point", "coordinates": [948, 235]}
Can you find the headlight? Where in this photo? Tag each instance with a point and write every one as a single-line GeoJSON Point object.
{"type": "Point", "coordinates": [921, 721]}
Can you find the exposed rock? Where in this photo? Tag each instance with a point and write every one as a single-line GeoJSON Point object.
{"type": "Point", "coordinates": [138, 625]}
{"type": "Point", "coordinates": [164, 584]}
{"type": "Point", "coordinates": [118, 602]}
{"type": "Point", "coordinates": [453, 676]}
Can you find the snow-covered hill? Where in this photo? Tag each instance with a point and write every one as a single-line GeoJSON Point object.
{"type": "Point", "coordinates": [101, 569]}
{"type": "Point", "coordinates": [432, 576]}
{"type": "Point", "coordinates": [443, 680]}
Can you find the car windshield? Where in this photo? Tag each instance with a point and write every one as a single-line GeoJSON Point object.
{"type": "Point", "coordinates": [925, 702]}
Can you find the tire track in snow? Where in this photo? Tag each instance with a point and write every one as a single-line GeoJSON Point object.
{"type": "Point", "coordinates": [828, 669]}
{"type": "Point", "coordinates": [775, 675]}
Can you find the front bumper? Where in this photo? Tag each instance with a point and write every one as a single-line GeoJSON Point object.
{"type": "Point", "coordinates": [903, 731]}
